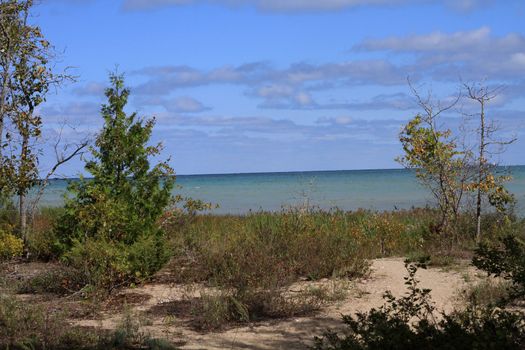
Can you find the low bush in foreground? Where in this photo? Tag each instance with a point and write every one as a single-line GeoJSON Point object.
{"type": "Point", "coordinates": [506, 260]}
{"type": "Point", "coordinates": [106, 265]}
{"type": "Point", "coordinates": [221, 309]}
{"type": "Point", "coordinates": [26, 326]}
{"type": "Point", "coordinates": [411, 322]}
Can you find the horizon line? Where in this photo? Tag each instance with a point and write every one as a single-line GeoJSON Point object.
{"type": "Point", "coordinates": [286, 172]}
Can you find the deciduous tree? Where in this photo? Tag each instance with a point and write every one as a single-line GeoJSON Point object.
{"type": "Point", "coordinates": [27, 74]}
{"type": "Point", "coordinates": [439, 163]}
{"type": "Point", "coordinates": [486, 182]}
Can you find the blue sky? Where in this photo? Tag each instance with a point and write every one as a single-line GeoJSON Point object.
{"type": "Point", "coordinates": [283, 85]}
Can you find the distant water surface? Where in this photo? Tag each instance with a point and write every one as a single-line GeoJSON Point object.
{"type": "Point", "coordinates": [345, 189]}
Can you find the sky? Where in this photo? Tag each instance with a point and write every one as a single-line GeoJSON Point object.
{"type": "Point", "coordinates": [283, 85]}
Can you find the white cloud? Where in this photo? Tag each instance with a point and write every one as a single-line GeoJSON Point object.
{"type": "Point", "coordinates": [304, 99]}
{"type": "Point", "coordinates": [263, 80]}
{"type": "Point", "coordinates": [343, 120]}
{"type": "Point", "coordinates": [274, 91]}
{"type": "Point", "coordinates": [468, 42]}
{"type": "Point", "coordinates": [90, 89]}
{"type": "Point", "coordinates": [474, 54]}
{"type": "Point", "coordinates": [518, 59]}
{"type": "Point", "coordinates": [184, 104]}
{"type": "Point", "coordinates": [178, 104]}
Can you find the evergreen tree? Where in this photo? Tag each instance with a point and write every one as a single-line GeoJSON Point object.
{"type": "Point", "coordinates": [117, 211]}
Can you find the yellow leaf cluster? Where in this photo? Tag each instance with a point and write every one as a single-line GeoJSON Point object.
{"type": "Point", "coordinates": [10, 246]}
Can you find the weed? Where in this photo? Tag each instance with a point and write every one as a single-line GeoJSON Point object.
{"type": "Point", "coordinates": [488, 292]}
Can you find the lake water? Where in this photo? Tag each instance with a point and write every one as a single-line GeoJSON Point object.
{"type": "Point", "coordinates": [346, 189]}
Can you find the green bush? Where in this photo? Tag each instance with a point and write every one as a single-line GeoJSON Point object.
{"type": "Point", "coordinates": [107, 264]}
{"type": "Point", "coordinates": [506, 260]}
{"type": "Point", "coordinates": [8, 214]}
{"type": "Point", "coordinates": [411, 323]}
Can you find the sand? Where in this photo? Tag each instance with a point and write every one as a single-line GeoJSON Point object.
{"type": "Point", "coordinates": [295, 333]}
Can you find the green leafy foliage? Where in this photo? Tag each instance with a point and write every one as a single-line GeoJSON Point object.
{"type": "Point", "coordinates": [505, 260]}
{"type": "Point", "coordinates": [26, 75]}
{"type": "Point", "coordinates": [438, 163]}
{"type": "Point", "coordinates": [410, 323]}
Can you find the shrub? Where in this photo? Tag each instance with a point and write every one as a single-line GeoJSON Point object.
{"type": "Point", "coordinates": [410, 322]}
{"type": "Point", "coordinates": [8, 213]}
{"type": "Point", "coordinates": [130, 335]}
{"type": "Point", "coordinates": [43, 245]}
{"type": "Point", "coordinates": [221, 308]}
{"type": "Point", "coordinates": [62, 280]}
{"type": "Point", "coordinates": [487, 292]}
{"type": "Point", "coordinates": [287, 243]}
{"type": "Point", "coordinates": [506, 260]}
{"type": "Point", "coordinates": [42, 240]}
{"type": "Point", "coordinates": [214, 311]}
{"type": "Point", "coordinates": [253, 260]}
{"type": "Point", "coordinates": [26, 326]}
{"type": "Point", "coordinates": [106, 264]}
{"type": "Point", "coordinates": [386, 232]}
{"type": "Point", "coordinates": [10, 246]}
{"type": "Point", "coordinates": [148, 254]}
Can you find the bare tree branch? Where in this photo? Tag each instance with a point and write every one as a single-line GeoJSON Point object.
{"type": "Point", "coordinates": [61, 158]}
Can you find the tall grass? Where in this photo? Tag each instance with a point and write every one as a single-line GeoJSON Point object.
{"type": "Point", "coordinates": [253, 259]}
{"type": "Point", "coordinates": [250, 262]}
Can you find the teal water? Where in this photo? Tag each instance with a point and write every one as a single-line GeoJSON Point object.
{"type": "Point", "coordinates": [345, 189]}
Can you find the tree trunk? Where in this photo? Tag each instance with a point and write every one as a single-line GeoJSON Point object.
{"type": "Point", "coordinates": [3, 94]}
{"type": "Point", "coordinates": [23, 180]}
{"type": "Point", "coordinates": [23, 217]}
{"type": "Point", "coordinates": [478, 217]}
{"type": "Point", "coordinates": [481, 169]}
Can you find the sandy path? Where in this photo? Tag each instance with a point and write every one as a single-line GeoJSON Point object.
{"type": "Point", "coordinates": [387, 274]}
